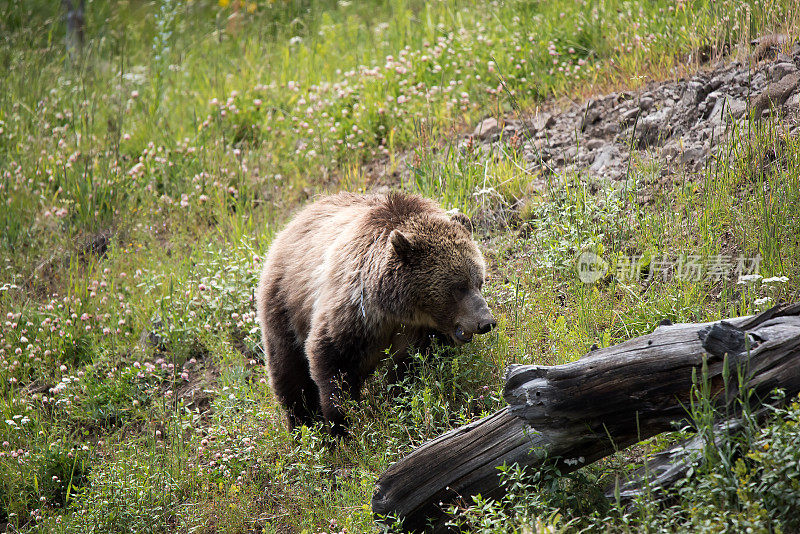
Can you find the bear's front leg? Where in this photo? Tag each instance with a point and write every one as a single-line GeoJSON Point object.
{"type": "Point", "coordinates": [336, 363]}
{"type": "Point", "coordinates": [409, 342]}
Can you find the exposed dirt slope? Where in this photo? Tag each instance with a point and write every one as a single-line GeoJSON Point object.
{"type": "Point", "coordinates": [681, 123]}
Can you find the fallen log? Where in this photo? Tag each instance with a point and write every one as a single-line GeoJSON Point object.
{"type": "Point", "coordinates": [579, 412]}
{"type": "Point", "coordinates": [664, 469]}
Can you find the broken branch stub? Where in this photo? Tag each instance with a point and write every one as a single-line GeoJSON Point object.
{"type": "Point", "coordinates": [587, 409]}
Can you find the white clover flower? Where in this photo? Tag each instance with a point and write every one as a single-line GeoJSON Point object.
{"type": "Point", "coordinates": [762, 301]}
{"type": "Point", "coordinates": [776, 280]}
{"type": "Point", "coordinates": [745, 278]}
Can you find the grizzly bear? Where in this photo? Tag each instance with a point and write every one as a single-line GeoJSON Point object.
{"type": "Point", "coordinates": [354, 277]}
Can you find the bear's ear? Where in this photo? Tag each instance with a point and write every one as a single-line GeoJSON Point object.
{"type": "Point", "coordinates": [463, 220]}
{"type": "Point", "coordinates": [401, 245]}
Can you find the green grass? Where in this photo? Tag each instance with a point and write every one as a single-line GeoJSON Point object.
{"type": "Point", "coordinates": [132, 392]}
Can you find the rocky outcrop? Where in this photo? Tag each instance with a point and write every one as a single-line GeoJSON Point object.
{"type": "Point", "coordinates": [681, 123]}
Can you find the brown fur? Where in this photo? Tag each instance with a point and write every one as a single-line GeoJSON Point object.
{"type": "Point", "coordinates": [354, 275]}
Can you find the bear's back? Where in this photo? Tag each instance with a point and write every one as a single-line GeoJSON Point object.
{"type": "Point", "coordinates": [325, 243]}
{"type": "Point", "coordinates": [358, 216]}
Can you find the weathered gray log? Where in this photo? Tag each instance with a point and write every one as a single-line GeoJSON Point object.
{"type": "Point", "coordinates": [662, 470]}
{"type": "Point", "coordinates": [588, 409]}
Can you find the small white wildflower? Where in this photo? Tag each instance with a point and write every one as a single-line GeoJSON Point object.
{"type": "Point", "coordinates": [776, 280]}
{"type": "Point", "coordinates": [745, 278]}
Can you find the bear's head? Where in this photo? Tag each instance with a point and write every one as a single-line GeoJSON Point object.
{"type": "Point", "coordinates": [442, 273]}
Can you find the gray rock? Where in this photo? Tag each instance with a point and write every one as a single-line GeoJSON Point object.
{"type": "Point", "coordinates": [615, 174]}
{"type": "Point", "coordinates": [712, 85]}
{"type": "Point", "coordinates": [654, 128]}
{"type": "Point", "coordinates": [736, 107]}
{"type": "Point", "coordinates": [629, 116]}
{"type": "Point", "coordinates": [779, 70]}
{"type": "Point", "coordinates": [605, 158]}
{"type": "Point", "coordinates": [670, 150]}
{"type": "Point", "coordinates": [758, 81]}
{"type": "Point", "coordinates": [721, 79]}
{"type": "Point", "coordinates": [645, 103]}
{"type": "Point", "coordinates": [712, 97]}
{"type": "Point", "coordinates": [793, 102]}
{"type": "Point", "coordinates": [725, 109]}
{"type": "Point", "coordinates": [742, 78]}
{"type": "Point", "coordinates": [777, 93]}
{"type": "Point", "coordinates": [543, 121]}
{"type": "Point", "coordinates": [692, 94]}
{"type": "Point", "coordinates": [487, 128]}
{"type": "Point", "coordinates": [610, 129]}
{"type": "Point", "coordinates": [591, 116]}
{"type": "Point", "coordinates": [594, 144]}
{"type": "Point", "coordinates": [693, 154]}
{"type": "Point", "coordinates": [771, 39]}
{"type": "Point", "coordinates": [565, 155]}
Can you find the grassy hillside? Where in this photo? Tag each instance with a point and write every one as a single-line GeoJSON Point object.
{"type": "Point", "coordinates": [143, 179]}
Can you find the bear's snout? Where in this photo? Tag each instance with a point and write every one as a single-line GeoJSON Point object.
{"type": "Point", "coordinates": [484, 328]}
{"type": "Point", "coordinates": [475, 318]}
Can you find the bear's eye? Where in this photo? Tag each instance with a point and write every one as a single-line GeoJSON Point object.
{"type": "Point", "coordinates": [461, 289]}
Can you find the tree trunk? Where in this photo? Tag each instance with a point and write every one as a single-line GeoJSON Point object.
{"type": "Point", "coordinates": [579, 412]}
{"type": "Point", "coordinates": [74, 16]}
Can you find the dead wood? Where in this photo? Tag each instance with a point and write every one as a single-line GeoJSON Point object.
{"type": "Point", "coordinates": [585, 410]}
